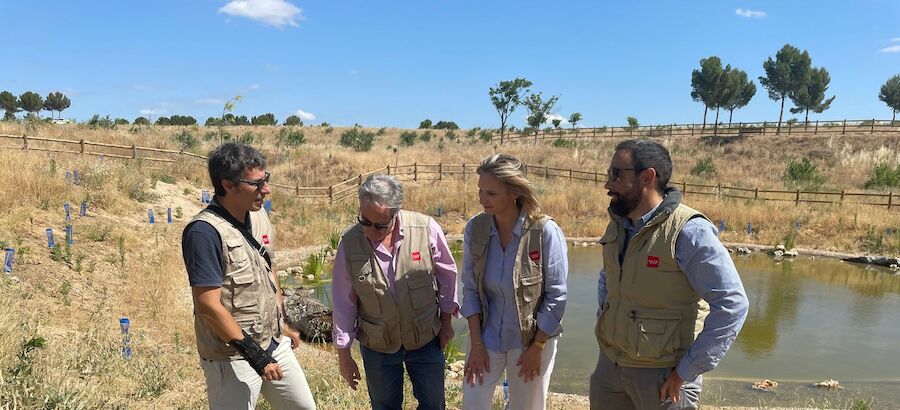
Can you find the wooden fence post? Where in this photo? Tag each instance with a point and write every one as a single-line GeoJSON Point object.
{"type": "Point", "coordinates": [790, 125]}
{"type": "Point", "coordinates": [133, 151]}
{"type": "Point", "coordinates": [25, 142]}
{"type": "Point", "coordinates": [797, 199]}
{"type": "Point", "coordinates": [595, 177]}
{"type": "Point", "coordinates": [872, 127]}
{"type": "Point", "coordinates": [388, 169]}
{"type": "Point", "coordinates": [816, 130]}
{"type": "Point", "coordinates": [765, 123]}
{"type": "Point", "coordinates": [842, 196]}
{"type": "Point", "coordinates": [570, 174]}
{"type": "Point", "coordinates": [844, 128]}
{"type": "Point", "coordinates": [440, 171]}
{"type": "Point", "coordinates": [415, 171]}
{"type": "Point", "coordinates": [684, 187]}
{"type": "Point", "coordinates": [890, 200]}
{"type": "Point", "coordinates": [297, 190]}
{"type": "Point", "coordinates": [692, 129]}
{"type": "Point", "coordinates": [612, 131]}
{"type": "Point", "coordinates": [331, 195]}
{"type": "Point", "coordinates": [81, 143]}
{"type": "Point", "coordinates": [670, 130]}
{"type": "Point", "coordinates": [630, 132]}
{"type": "Point", "coordinates": [546, 172]}
{"type": "Point", "coordinates": [465, 177]}
{"type": "Point", "coordinates": [359, 180]}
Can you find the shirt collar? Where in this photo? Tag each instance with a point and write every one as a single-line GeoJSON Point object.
{"type": "Point", "coordinates": [626, 221]}
{"type": "Point", "coordinates": [517, 230]}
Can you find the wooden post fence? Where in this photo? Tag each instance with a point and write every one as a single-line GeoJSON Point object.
{"type": "Point", "coordinates": [331, 194]}
{"type": "Point", "coordinates": [415, 171]}
{"type": "Point", "coordinates": [890, 200]}
{"type": "Point", "coordinates": [844, 128]}
{"type": "Point", "coordinates": [81, 143]}
{"type": "Point", "coordinates": [797, 198]}
{"type": "Point", "coordinates": [133, 151]}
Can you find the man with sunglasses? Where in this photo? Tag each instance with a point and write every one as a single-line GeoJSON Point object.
{"type": "Point", "coordinates": [394, 290]}
{"type": "Point", "coordinates": [671, 300]}
{"type": "Point", "coordinates": [243, 342]}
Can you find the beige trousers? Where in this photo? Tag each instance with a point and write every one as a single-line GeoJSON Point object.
{"type": "Point", "coordinates": [234, 385]}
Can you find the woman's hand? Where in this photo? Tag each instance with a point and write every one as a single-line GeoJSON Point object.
{"type": "Point", "coordinates": [530, 363]}
{"type": "Point", "coordinates": [477, 364]}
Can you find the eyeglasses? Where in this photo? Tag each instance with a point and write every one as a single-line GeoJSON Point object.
{"type": "Point", "coordinates": [381, 227]}
{"type": "Point", "coordinates": [614, 174]}
{"type": "Point", "coordinates": [259, 183]}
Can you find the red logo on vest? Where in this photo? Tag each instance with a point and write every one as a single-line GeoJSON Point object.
{"type": "Point", "coordinates": [653, 261]}
{"type": "Point", "coordinates": [534, 255]}
{"type": "Point", "coordinates": [266, 240]}
{"type": "Point", "coordinates": [416, 256]}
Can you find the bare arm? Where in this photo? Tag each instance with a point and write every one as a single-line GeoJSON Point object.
{"type": "Point", "coordinates": [207, 301]}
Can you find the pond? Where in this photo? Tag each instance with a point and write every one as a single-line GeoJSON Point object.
{"type": "Point", "coordinates": [810, 320]}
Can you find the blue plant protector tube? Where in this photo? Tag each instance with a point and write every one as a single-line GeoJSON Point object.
{"type": "Point", "coordinates": [68, 213]}
{"type": "Point", "coordinates": [267, 205]}
{"type": "Point", "coordinates": [75, 177]}
{"type": "Point", "coordinates": [83, 211]}
{"type": "Point", "coordinates": [68, 177]}
{"type": "Point", "coordinates": [749, 228]}
{"type": "Point", "coordinates": [7, 266]}
{"type": "Point", "coordinates": [50, 241]}
{"type": "Point", "coordinates": [721, 225]}
{"type": "Point", "coordinates": [151, 219]}
{"type": "Point", "coordinates": [169, 215]}
{"type": "Point", "coordinates": [125, 325]}
{"type": "Point", "coordinates": [69, 239]}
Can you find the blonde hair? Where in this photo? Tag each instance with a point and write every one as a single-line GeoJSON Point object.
{"type": "Point", "coordinates": [509, 171]}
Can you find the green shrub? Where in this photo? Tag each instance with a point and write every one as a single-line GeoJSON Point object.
{"type": "Point", "coordinates": [563, 143]}
{"type": "Point", "coordinates": [446, 125]}
{"type": "Point", "coordinates": [705, 168]}
{"type": "Point", "coordinates": [290, 137]}
{"type": "Point", "coordinates": [632, 122]}
{"type": "Point", "coordinates": [381, 131]}
{"type": "Point", "coordinates": [450, 136]}
{"type": "Point", "coordinates": [329, 129]}
{"type": "Point", "coordinates": [407, 138]}
{"type": "Point", "coordinates": [358, 139]}
{"type": "Point", "coordinates": [803, 174]}
{"type": "Point", "coordinates": [425, 124]}
{"type": "Point", "coordinates": [485, 136]}
{"type": "Point", "coordinates": [186, 140]}
{"type": "Point", "coordinates": [884, 177]}
{"type": "Point", "coordinates": [426, 136]}
{"type": "Point", "coordinates": [248, 138]}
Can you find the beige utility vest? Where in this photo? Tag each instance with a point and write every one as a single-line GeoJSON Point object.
{"type": "Point", "coordinates": [528, 270]}
{"type": "Point", "coordinates": [652, 314]}
{"type": "Point", "coordinates": [411, 317]}
{"type": "Point", "coordinates": [248, 292]}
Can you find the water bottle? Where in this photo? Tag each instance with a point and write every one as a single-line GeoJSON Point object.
{"type": "Point", "coordinates": [506, 393]}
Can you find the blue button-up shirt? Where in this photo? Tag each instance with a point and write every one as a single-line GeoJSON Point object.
{"type": "Point", "coordinates": [501, 331]}
{"type": "Point", "coordinates": [711, 272]}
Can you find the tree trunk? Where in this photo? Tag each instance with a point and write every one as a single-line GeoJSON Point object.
{"type": "Point", "coordinates": [730, 114]}
{"type": "Point", "coordinates": [716, 126]}
{"type": "Point", "coordinates": [780, 117]}
{"type": "Point", "coordinates": [806, 120]}
{"type": "Point", "coordinates": [705, 108]}
{"type": "Point", "coordinates": [893, 118]}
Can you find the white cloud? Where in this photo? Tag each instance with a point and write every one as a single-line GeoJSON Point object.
{"type": "Point", "coordinates": [755, 14]}
{"type": "Point", "coordinates": [153, 111]}
{"type": "Point", "coordinates": [895, 40]}
{"type": "Point", "coordinates": [891, 49]}
{"type": "Point", "coordinates": [305, 116]}
{"type": "Point", "coordinates": [254, 86]}
{"type": "Point", "coordinates": [210, 101]}
{"type": "Point", "coordinates": [276, 13]}
{"type": "Point", "coordinates": [552, 117]}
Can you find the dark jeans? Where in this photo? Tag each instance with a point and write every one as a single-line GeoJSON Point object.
{"type": "Point", "coordinates": [628, 388]}
{"type": "Point", "coordinates": [384, 376]}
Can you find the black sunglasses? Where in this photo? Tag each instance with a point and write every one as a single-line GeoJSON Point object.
{"type": "Point", "coordinates": [381, 227]}
{"type": "Point", "coordinates": [259, 183]}
{"type": "Point", "coordinates": [614, 174]}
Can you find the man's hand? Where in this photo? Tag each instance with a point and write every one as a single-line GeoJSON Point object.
{"type": "Point", "coordinates": [530, 363]}
{"type": "Point", "coordinates": [445, 335]}
{"type": "Point", "coordinates": [349, 369]}
{"type": "Point", "coordinates": [672, 387]}
{"type": "Point", "coordinates": [272, 372]}
{"type": "Point", "coordinates": [293, 334]}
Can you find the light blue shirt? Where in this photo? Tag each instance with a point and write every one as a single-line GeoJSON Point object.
{"type": "Point", "coordinates": [501, 332]}
{"type": "Point", "coordinates": [711, 272]}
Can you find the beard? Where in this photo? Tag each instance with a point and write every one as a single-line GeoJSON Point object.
{"type": "Point", "coordinates": [622, 203]}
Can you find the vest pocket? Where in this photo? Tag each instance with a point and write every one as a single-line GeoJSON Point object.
{"type": "Point", "coordinates": [421, 291]}
{"type": "Point", "coordinates": [655, 333]}
{"type": "Point", "coordinates": [371, 334]}
{"type": "Point", "coordinates": [425, 326]}
{"type": "Point", "coordinates": [531, 281]}
{"type": "Point", "coordinates": [244, 289]}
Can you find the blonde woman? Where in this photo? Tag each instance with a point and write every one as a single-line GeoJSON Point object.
{"type": "Point", "coordinates": [514, 289]}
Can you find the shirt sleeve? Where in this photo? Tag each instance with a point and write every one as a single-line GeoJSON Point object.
{"type": "Point", "coordinates": [471, 301]}
{"type": "Point", "coordinates": [201, 248]}
{"type": "Point", "coordinates": [601, 291]}
{"type": "Point", "coordinates": [556, 269]}
{"type": "Point", "coordinates": [711, 272]}
{"type": "Point", "coordinates": [343, 300]}
{"type": "Point", "coordinates": [445, 268]}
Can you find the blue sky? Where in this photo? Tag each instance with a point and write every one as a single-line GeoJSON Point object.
{"type": "Point", "coordinates": [394, 63]}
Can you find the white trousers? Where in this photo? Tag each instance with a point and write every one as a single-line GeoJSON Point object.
{"type": "Point", "coordinates": [234, 385]}
{"type": "Point", "coordinates": [530, 396]}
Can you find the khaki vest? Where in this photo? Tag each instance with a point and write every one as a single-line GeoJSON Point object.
{"type": "Point", "coordinates": [528, 273]}
{"type": "Point", "coordinates": [652, 314]}
{"type": "Point", "coordinates": [248, 292]}
{"type": "Point", "coordinates": [384, 324]}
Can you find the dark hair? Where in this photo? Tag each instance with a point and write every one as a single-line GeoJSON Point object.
{"type": "Point", "coordinates": [646, 154]}
{"type": "Point", "coordinates": [230, 160]}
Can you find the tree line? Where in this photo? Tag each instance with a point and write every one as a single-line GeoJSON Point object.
{"type": "Point", "coordinates": [32, 103]}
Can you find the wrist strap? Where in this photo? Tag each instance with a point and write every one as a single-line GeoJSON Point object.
{"type": "Point", "coordinates": [253, 353]}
